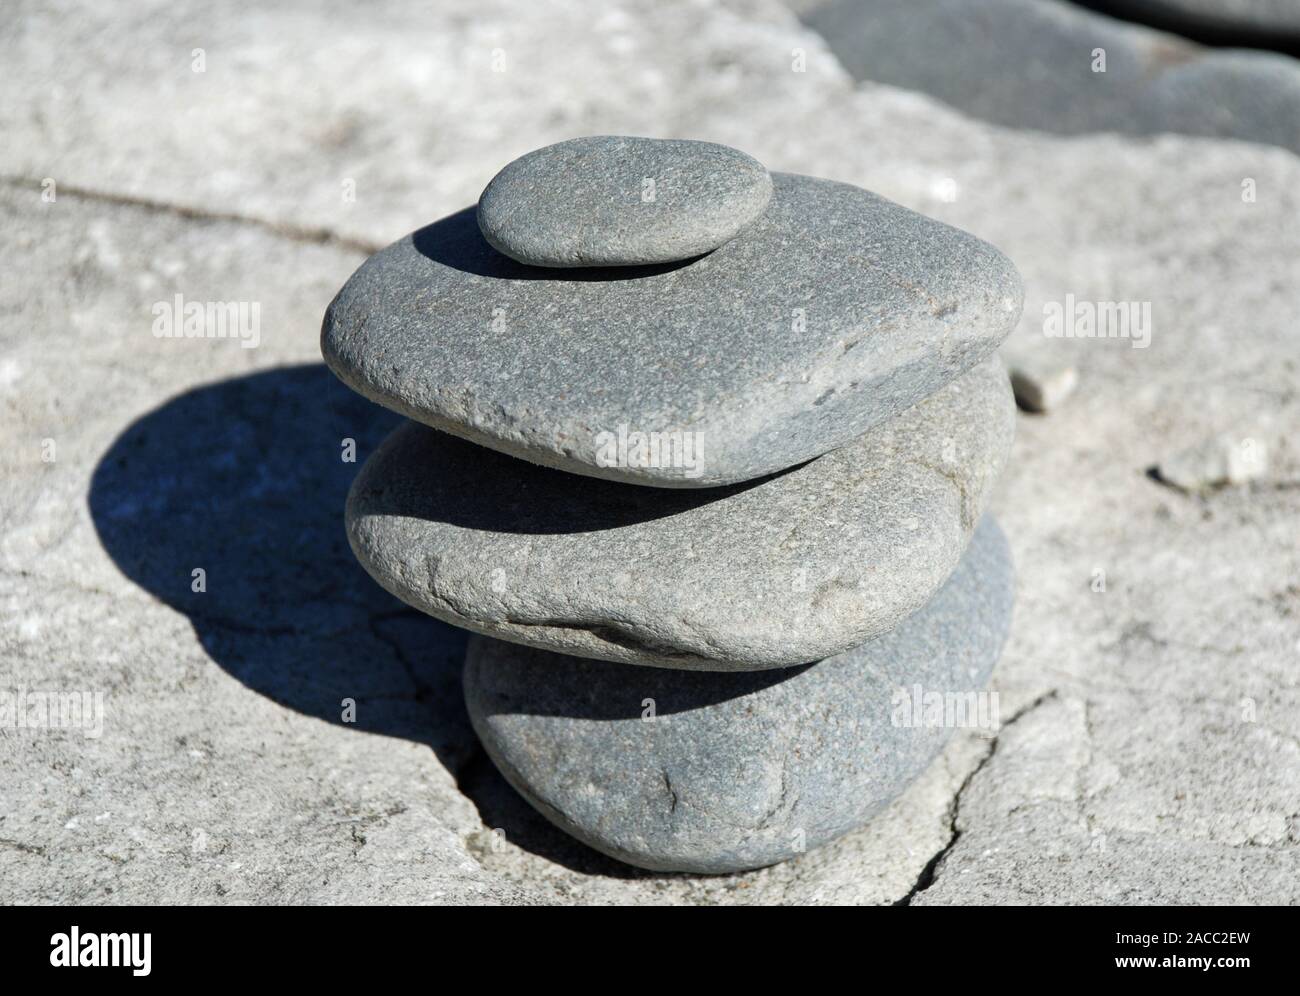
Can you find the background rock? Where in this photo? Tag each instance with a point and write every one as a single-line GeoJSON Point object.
{"type": "Point", "coordinates": [1031, 64]}
{"type": "Point", "coordinates": [1256, 22]}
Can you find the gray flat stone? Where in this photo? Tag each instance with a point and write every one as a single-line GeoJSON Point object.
{"type": "Point", "coordinates": [610, 200]}
{"type": "Point", "coordinates": [788, 570]}
{"type": "Point", "coordinates": [736, 771]}
{"type": "Point", "coordinates": [833, 311]}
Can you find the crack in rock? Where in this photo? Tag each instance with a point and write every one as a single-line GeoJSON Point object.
{"type": "Point", "coordinates": [423, 692]}
{"type": "Point", "coordinates": [26, 848]}
{"type": "Point", "coordinates": [672, 793]}
{"type": "Point", "coordinates": [286, 230]}
{"type": "Point", "coordinates": [927, 876]}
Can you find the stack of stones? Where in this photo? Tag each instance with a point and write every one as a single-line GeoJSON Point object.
{"type": "Point", "coordinates": [702, 454]}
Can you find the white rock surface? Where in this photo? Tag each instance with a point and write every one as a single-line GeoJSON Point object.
{"type": "Point", "coordinates": [1150, 746]}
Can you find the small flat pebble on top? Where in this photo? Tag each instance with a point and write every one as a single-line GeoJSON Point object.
{"type": "Point", "coordinates": [617, 201]}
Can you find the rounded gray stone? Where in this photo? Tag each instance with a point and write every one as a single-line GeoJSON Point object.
{"type": "Point", "coordinates": [611, 200]}
{"type": "Point", "coordinates": [741, 770]}
{"type": "Point", "coordinates": [786, 570]}
{"type": "Point", "coordinates": [833, 311]}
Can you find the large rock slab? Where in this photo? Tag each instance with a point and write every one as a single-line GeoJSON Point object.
{"type": "Point", "coordinates": [314, 121]}
{"type": "Point", "coordinates": [787, 570]}
{"type": "Point", "coordinates": [833, 311]}
{"type": "Point", "coordinates": [725, 772]}
{"type": "Point", "coordinates": [611, 200]}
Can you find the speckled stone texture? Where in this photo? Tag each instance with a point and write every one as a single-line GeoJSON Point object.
{"type": "Point", "coordinates": [784, 571]}
{"type": "Point", "coordinates": [619, 201]}
{"type": "Point", "coordinates": [736, 771]}
{"type": "Point", "coordinates": [833, 311]}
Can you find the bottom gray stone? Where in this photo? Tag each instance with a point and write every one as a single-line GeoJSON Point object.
{"type": "Point", "coordinates": [724, 771]}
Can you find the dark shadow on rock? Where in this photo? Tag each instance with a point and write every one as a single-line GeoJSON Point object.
{"type": "Point", "coordinates": [456, 241]}
{"type": "Point", "coordinates": [244, 480]}
{"type": "Point", "coordinates": [476, 488]}
{"type": "Point", "coordinates": [1217, 31]}
{"type": "Point", "coordinates": [507, 679]}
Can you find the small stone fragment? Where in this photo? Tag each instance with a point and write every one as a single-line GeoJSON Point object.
{"type": "Point", "coordinates": [1040, 388]}
{"type": "Point", "coordinates": [1221, 461]}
